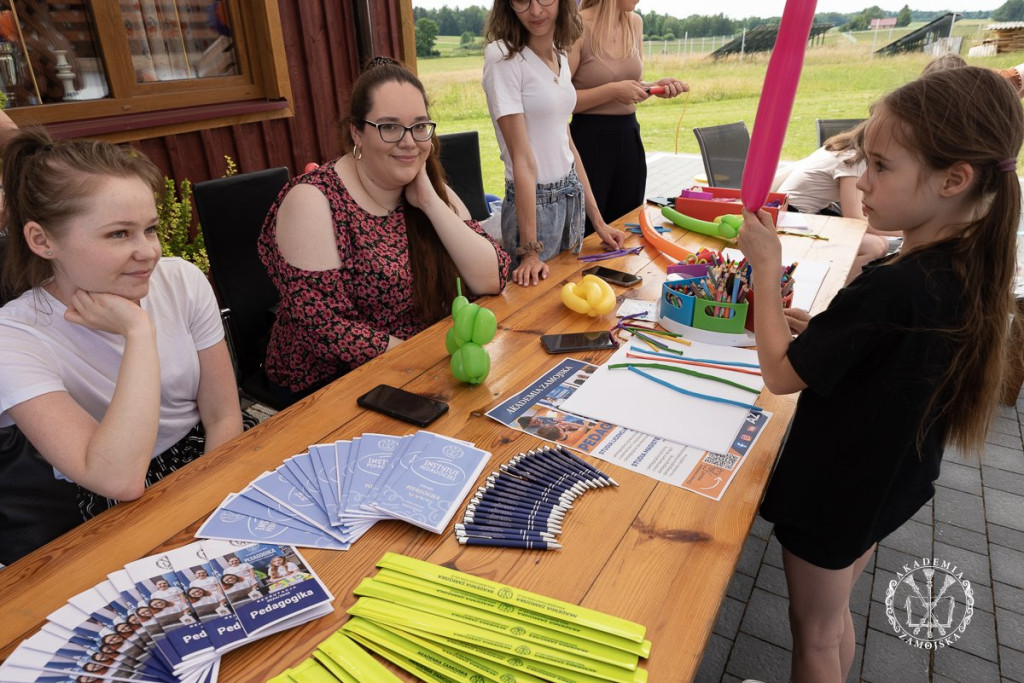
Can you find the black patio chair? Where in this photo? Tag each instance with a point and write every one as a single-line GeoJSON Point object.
{"type": "Point", "coordinates": [724, 151]}
{"type": "Point", "coordinates": [829, 127]}
{"type": "Point", "coordinates": [231, 212]}
{"type": "Point", "coordinates": [460, 158]}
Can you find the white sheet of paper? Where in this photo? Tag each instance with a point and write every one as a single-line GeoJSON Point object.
{"type": "Point", "coordinates": [627, 399]}
{"type": "Point", "coordinates": [791, 220]}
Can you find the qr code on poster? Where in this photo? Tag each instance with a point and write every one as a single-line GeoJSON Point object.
{"type": "Point", "coordinates": [723, 460]}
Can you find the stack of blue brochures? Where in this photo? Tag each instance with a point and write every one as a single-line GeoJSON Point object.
{"type": "Point", "coordinates": [523, 504]}
{"type": "Point", "coordinates": [332, 494]}
{"type": "Point", "coordinates": [170, 617]}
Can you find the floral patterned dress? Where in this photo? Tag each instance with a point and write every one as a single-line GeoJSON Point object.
{"type": "Point", "coordinates": [331, 321]}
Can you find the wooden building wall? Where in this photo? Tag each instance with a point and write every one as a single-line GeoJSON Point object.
{"type": "Point", "coordinates": [322, 47]}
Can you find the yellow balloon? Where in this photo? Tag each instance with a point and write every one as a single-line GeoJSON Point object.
{"type": "Point", "coordinates": [592, 296]}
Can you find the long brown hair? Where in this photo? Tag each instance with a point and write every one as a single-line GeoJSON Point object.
{"type": "Point", "coordinates": [49, 182]}
{"type": "Point", "coordinates": [433, 270]}
{"type": "Point", "coordinates": [971, 115]}
{"type": "Point", "coordinates": [504, 25]}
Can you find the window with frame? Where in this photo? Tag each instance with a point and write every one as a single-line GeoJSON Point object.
{"type": "Point", "coordinates": [85, 61]}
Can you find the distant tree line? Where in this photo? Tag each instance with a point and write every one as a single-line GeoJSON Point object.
{"type": "Point", "coordinates": [448, 21]}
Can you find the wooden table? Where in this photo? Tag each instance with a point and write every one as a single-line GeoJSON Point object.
{"type": "Point", "coordinates": [645, 551]}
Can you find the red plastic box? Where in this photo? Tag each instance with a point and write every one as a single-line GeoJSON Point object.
{"type": "Point", "coordinates": [709, 209]}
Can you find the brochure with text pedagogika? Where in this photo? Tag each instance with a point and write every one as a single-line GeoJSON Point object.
{"type": "Point", "coordinates": [275, 584]}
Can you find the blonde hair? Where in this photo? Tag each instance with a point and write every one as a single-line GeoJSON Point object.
{"type": "Point", "coordinates": [609, 19]}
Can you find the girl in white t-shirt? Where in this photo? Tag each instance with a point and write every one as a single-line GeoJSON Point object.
{"type": "Point", "coordinates": [530, 97]}
{"type": "Point", "coordinates": [114, 360]}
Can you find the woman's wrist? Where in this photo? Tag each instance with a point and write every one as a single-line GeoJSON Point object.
{"type": "Point", "coordinates": [534, 247]}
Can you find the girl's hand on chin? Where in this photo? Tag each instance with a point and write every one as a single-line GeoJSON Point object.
{"type": "Point", "coordinates": [106, 313]}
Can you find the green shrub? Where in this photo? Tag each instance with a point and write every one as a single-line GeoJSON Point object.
{"type": "Point", "coordinates": [174, 224]}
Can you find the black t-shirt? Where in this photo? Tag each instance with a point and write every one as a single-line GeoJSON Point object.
{"type": "Point", "coordinates": [850, 471]}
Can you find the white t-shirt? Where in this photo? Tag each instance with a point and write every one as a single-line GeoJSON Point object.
{"type": "Point", "coordinates": [41, 352]}
{"type": "Point", "coordinates": [813, 183]}
{"type": "Point", "coordinates": [525, 85]}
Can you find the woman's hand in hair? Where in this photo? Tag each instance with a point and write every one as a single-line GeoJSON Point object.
{"type": "Point", "coordinates": [107, 313]}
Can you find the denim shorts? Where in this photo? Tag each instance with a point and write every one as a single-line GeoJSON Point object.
{"type": "Point", "coordinates": [559, 217]}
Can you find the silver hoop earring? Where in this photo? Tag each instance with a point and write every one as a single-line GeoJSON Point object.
{"type": "Point", "coordinates": [357, 153]}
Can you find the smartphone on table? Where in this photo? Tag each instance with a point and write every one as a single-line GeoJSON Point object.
{"type": "Point", "coordinates": [615, 277]}
{"type": "Point", "coordinates": [578, 341]}
{"type": "Point", "coordinates": [403, 405]}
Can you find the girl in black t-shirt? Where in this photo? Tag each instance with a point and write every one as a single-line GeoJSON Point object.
{"type": "Point", "coordinates": [906, 359]}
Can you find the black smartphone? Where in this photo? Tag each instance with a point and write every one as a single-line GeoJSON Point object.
{"type": "Point", "coordinates": [577, 341]}
{"type": "Point", "coordinates": [615, 277]}
{"type": "Point", "coordinates": [661, 201]}
{"type": "Point", "coordinates": [401, 404]}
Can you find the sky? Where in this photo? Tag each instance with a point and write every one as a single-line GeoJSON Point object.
{"type": "Point", "coordinates": [741, 9]}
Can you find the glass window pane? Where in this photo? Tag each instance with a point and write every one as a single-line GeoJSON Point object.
{"type": "Point", "coordinates": [49, 53]}
{"type": "Point", "coordinates": [173, 40]}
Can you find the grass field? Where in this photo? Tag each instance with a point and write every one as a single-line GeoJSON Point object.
{"type": "Point", "coordinates": [840, 79]}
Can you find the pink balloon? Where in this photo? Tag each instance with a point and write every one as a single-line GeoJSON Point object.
{"type": "Point", "coordinates": [776, 103]}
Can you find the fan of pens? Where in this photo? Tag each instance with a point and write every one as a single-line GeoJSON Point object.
{"type": "Point", "coordinates": [523, 504]}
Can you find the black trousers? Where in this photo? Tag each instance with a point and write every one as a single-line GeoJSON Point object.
{"type": "Point", "coordinates": [615, 162]}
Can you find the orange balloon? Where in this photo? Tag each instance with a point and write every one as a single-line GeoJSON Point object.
{"type": "Point", "coordinates": [657, 241]}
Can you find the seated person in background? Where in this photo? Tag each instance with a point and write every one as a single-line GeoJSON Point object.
{"type": "Point", "coordinates": [114, 361]}
{"type": "Point", "coordinates": [365, 250]}
{"type": "Point", "coordinates": [829, 177]}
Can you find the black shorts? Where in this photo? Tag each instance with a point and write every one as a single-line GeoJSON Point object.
{"type": "Point", "coordinates": [821, 551]}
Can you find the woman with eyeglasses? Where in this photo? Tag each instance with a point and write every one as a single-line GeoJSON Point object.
{"type": "Point", "coordinates": [365, 250]}
{"type": "Point", "coordinates": [530, 97]}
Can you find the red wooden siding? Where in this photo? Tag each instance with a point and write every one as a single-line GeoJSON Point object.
{"type": "Point", "coordinates": [323, 62]}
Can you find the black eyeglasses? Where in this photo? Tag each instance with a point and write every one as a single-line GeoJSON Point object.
{"type": "Point", "coordinates": [394, 132]}
{"type": "Point", "coordinates": [521, 6]}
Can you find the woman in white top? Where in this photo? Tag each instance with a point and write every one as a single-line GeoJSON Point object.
{"type": "Point", "coordinates": [114, 361]}
{"type": "Point", "coordinates": [530, 97]}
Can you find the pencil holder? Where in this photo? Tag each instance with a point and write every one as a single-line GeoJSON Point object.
{"type": "Point", "coordinates": [674, 304]}
{"type": "Point", "coordinates": [716, 316]}
{"type": "Point", "coordinates": [787, 302]}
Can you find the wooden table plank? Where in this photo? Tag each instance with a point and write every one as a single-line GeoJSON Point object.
{"type": "Point", "coordinates": [646, 551]}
